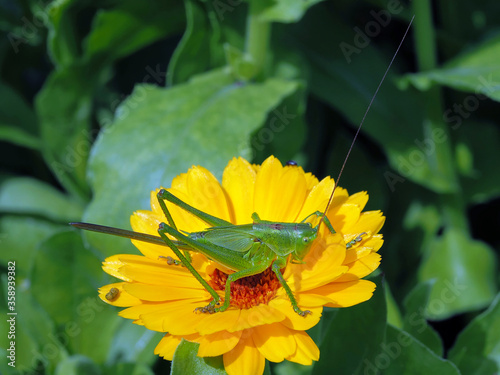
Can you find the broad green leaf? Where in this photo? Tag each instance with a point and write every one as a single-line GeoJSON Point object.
{"type": "Point", "coordinates": [160, 133]}
{"type": "Point", "coordinates": [284, 132]}
{"type": "Point", "coordinates": [133, 343]}
{"type": "Point", "coordinates": [24, 195]}
{"type": "Point", "coordinates": [77, 365]}
{"type": "Point", "coordinates": [65, 280]}
{"type": "Point", "coordinates": [393, 314]}
{"type": "Point", "coordinates": [19, 137]}
{"type": "Point", "coordinates": [474, 71]}
{"type": "Point", "coordinates": [63, 43]}
{"type": "Point", "coordinates": [36, 340]}
{"type": "Point", "coordinates": [17, 119]}
{"type": "Point", "coordinates": [354, 336]}
{"type": "Point", "coordinates": [414, 319]}
{"type": "Point", "coordinates": [129, 26]}
{"type": "Point", "coordinates": [186, 361]}
{"type": "Point", "coordinates": [64, 108]}
{"type": "Point", "coordinates": [396, 119]}
{"type": "Point", "coordinates": [291, 368]}
{"type": "Point", "coordinates": [464, 270]}
{"type": "Point", "coordinates": [285, 10]}
{"type": "Point", "coordinates": [477, 348]}
{"type": "Point", "coordinates": [198, 41]}
{"type": "Point", "coordinates": [478, 140]}
{"type": "Point", "coordinates": [402, 354]}
{"type": "Point", "coordinates": [19, 239]}
{"type": "Point", "coordinates": [129, 369]}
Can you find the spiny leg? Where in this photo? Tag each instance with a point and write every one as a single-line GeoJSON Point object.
{"type": "Point", "coordinates": [276, 267]}
{"type": "Point", "coordinates": [161, 231]}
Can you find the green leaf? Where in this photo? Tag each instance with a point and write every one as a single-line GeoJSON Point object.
{"type": "Point", "coordinates": [36, 340]}
{"type": "Point", "coordinates": [414, 320]}
{"type": "Point", "coordinates": [129, 369]}
{"type": "Point", "coordinates": [63, 43]}
{"type": "Point", "coordinates": [17, 119]}
{"type": "Point", "coordinates": [284, 132]}
{"type": "Point", "coordinates": [186, 361]}
{"type": "Point", "coordinates": [354, 336]}
{"type": "Point", "coordinates": [73, 274]}
{"type": "Point", "coordinates": [464, 270]}
{"type": "Point", "coordinates": [19, 239]}
{"type": "Point", "coordinates": [64, 107]}
{"type": "Point", "coordinates": [474, 71]}
{"type": "Point", "coordinates": [77, 365]}
{"type": "Point", "coordinates": [198, 40]}
{"type": "Point", "coordinates": [130, 26]}
{"type": "Point", "coordinates": [19, 137]}
{"type": "Point", "coordinates": [477, 348]}
{"type": "Point", "coordinates": [393, 314]}
{"type": "Point", "coordinates": [24, 195]}
{"type": "Point", "coordinates": [478, 140]}
{"type": "Point", "coordinates": [402, 354]}
{"type": "Point", "coordinates": [133, 343]}
{"type": "Point", "coordinates": [159, 133]}
{"type": "Point", "coordinates": [285, 11]}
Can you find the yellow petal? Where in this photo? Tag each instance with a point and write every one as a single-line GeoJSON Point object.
{"type": "Point", "coordinates": [157, 272]}
{"type": "Point", "coordinates": [146, 222]}
{"type": "Point", "coordinates": [206, 194]}
{"type": "Point", "coordinates": [177, 318]}
{"type": "Point", "coordinates": [274, 341]}
{"type": "Point", "coordinates": [239, 183]}
{"type": "Point", "coordinates": [167, 345]}
{"type": "Point", "coordinates": [257, 316]}
{"type": "Point", "coordinates": [360, 199]}
{"type": "Point", "coordinates": [346, 294]}
{"type": "Point", "coordinates": [361, 268]}
{"type": "Point", "coordinates": [323, 264]}
{"type": "Point", "coordinates": [164, 293]}
{"type": "Point", "coordinates": [317, 198]}
{"type": "Point", "coordinates": [122, 298]}
{"type": "Point", "coordinates": [371, 221]}
{"type": "Point", "coordinates": [210, 323]}
{"type": "Point", "coordinates": [112, 266]}
{"type": "Point", "coordinates": [244, 359]}
{"type": "Point", "coordinates": [279, 192]}
{"type": "Point", "coordinates": [292, 319]}
{"type": "Point", "coordinates": [306, 352]}
{"type": "Point", "coordinates": [217, 343]}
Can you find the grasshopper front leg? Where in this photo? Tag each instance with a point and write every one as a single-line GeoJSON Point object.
{"type": "Point", "coordinates": [278, 264]}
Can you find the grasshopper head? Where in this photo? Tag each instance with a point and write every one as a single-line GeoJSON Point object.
{"type": "Point", "coordinates": [306, 236]}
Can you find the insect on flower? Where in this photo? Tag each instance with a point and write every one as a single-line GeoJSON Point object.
{"type": "Point", "coordinates": [245, 272]}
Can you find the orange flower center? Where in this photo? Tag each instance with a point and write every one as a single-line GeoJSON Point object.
{"type": "Point", "coordinates": [249, 291]}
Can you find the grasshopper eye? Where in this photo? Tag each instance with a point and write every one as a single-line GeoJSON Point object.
{"type": "Point", "coordinates": [305, 239]}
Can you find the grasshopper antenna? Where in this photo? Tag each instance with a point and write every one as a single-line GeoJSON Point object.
{"type": "Point", "coordinates": [363, 119]}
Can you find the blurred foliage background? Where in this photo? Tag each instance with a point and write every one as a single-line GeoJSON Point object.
{"type": "Point", "coordinates": [103, 101]}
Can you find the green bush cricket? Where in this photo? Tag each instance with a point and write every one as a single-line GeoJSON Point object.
{"type": "Point", "coordinates": [247, 249]}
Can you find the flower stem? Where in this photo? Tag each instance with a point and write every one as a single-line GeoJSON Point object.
{"type": "Point", "coordinates": [257, 38]}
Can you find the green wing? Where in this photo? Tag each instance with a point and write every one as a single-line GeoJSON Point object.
{"type": "Point", "coordinates": [235, 240]}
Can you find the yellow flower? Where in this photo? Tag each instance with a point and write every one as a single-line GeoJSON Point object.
{"type": "Point", "coordinates": [260, 323]}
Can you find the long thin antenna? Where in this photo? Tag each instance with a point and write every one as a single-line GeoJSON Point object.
{"type": "Point", "coordinates": [364, 117]}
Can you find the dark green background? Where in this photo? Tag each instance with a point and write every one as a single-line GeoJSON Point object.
{"type": "Point", "coordinates": [103, 101]}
